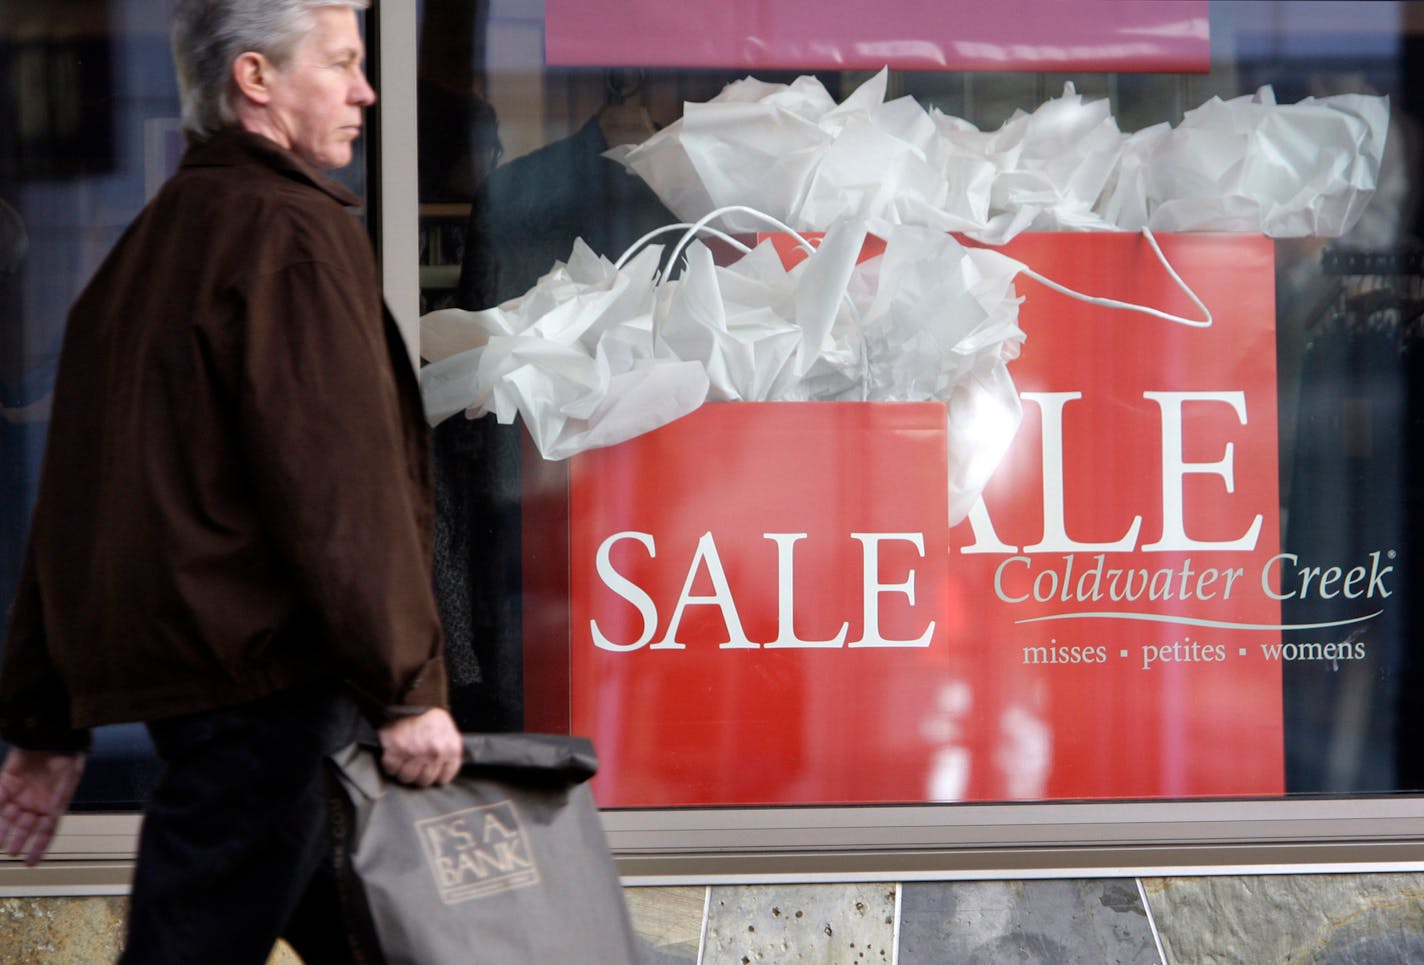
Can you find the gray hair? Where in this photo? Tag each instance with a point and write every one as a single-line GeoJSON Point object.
{"type": "Point", "coordinates": [208, 35]}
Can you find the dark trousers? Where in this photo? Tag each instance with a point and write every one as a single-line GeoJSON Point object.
{"type": "Point", "coordinates": [236, 848]}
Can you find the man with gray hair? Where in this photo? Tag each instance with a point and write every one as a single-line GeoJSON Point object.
{"type": "Point", "coordinates": [231, 540]}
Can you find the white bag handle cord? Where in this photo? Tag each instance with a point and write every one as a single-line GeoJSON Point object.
{"type": "Point", "coordinates": [1130, 306]}
{"type": "Point", "coordinates": [690, 231]}
{"type": "Point", "coordinates": [633, 249]}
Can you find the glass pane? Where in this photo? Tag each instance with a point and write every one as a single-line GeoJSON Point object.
{"type": "Point", "coordinates": [89, 129]}
{"type": "Point", "coordinates": [1191, 571]}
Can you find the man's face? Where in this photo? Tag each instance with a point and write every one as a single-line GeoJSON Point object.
{"type": "Point", "coordinates": [317, 98]}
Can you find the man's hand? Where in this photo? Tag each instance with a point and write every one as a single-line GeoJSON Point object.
{"type": "Point", "coordinates": [422, 750]}
{"type": "Point", "coordinates": [35, 788]}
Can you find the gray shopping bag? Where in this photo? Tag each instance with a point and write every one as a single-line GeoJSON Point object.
{"type": "Point", "coordinates": [508, 863]}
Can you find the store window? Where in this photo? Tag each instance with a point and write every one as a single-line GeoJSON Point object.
{"type": "Point", "coordinates": [1113, 555]}
{"type": "Point", "coordinates": [1191, 574]}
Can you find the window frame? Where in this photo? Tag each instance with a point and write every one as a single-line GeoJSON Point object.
{"type": "Point", "coordinates": [931, 841]}
{"type": "Point", "coordinates": [93, 853]}
{"type": "Point", "coordinates": [939, 841]}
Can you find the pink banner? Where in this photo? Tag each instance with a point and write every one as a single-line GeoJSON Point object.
{"type": "Point", "coordinates": [1007, 35]}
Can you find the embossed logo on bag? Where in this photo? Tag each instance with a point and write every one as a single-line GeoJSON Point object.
{"type": "Point", "coordinates": [478, 852]}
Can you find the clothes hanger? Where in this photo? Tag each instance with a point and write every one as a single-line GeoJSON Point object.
{"type": "Point", "coordinates": [622, 120]}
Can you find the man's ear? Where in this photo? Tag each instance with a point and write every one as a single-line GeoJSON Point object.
{"type": "Point", "coordinates": [252, 72]}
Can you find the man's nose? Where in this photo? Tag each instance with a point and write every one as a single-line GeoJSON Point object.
{"type": "Point", "coordinates": [364, 94]}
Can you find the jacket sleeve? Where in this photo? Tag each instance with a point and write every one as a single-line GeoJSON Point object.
{"type": "Point", "coordinates": [34, 703]}
{"type": "Point", "coordinates": [338, 476]}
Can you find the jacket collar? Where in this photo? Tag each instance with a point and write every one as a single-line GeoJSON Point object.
{"type": "Point", "coordinates": [236, 148]}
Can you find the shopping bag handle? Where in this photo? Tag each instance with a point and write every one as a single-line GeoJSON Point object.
{"type": "Point", "coordinates": [691, 230]}
{"type": "Point", "coordinates": [637, 246]}
{"type": "Point", "coordinates": [521, 758]}
{"type": "Point", "coordinates": [1204, 322]}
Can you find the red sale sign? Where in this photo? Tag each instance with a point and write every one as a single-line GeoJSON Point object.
{"type": "Point", "coordinates": [1027, 35]}
{"type": "Point", "coordinates": [765, 604]}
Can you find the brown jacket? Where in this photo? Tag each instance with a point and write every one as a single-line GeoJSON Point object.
{"type": "Point", "coordinates": [235, 496]}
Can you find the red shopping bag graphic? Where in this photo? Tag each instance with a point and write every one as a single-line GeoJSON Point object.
{"type": "Point", "coordinates": [1125, 559]}
{"type": "Point", "coordinates": [763, 603]}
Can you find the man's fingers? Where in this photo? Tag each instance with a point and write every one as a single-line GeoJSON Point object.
{"type": "Point", "coordinates": [35, 789]}
{"type": "Point", "coordinates": [422, 750]}
{"type": "Point", "coordinates": [448, 770]}
{"type": "Point", "coordinates": [414, 772]}
{"type": "Point", "coordinates": [39, 841]}
{"type": "Point", "coordinates": [406, 768]}
{"type": "Point", "coordinates": [422, 770]}
{"type": "Point", "coordinates": [18, 831]}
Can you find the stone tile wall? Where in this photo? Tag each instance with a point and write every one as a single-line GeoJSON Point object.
{"type": "Point", "coordinates": [1301, 919]}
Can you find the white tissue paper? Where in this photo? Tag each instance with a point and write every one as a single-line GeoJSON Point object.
{"type": "Point", "coordinates": [595, 354]}
{"type": "Point", "coordinates": [1250, 164]}
{"type": "Point", "coordinates": [1247, 164]}
{"type": "Point", "coordinates": [573, 356]}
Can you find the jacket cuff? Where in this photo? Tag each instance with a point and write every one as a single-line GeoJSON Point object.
{"type": "Point", "coordinates": [404, 710]}
{"type": "Point", "coordinates": [426, 690]}
{"type": "Point", "coordinates": [32, 733]}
